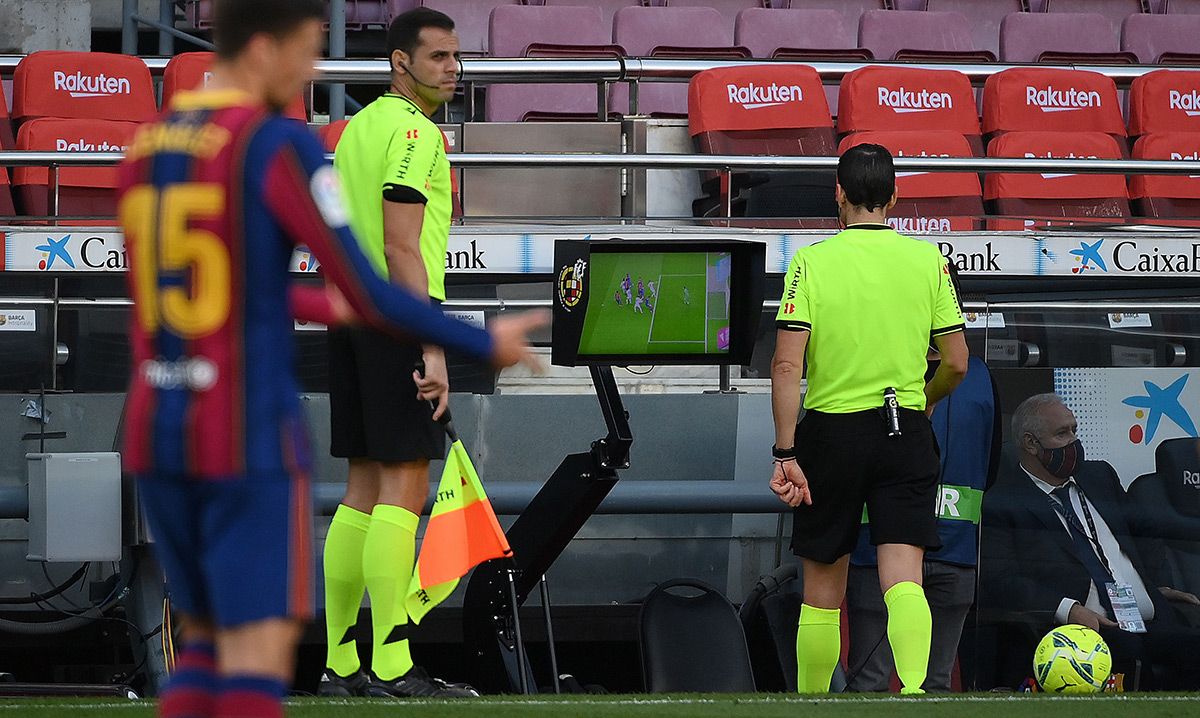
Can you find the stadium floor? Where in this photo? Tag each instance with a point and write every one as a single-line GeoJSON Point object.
{"type": "Point", "coordinates": [701, 706]}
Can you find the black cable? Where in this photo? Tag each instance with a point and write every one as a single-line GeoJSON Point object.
{"type": "Point", "coordinates": [56, 590]}
{"type": "Point", "coordinates": [639, 373]}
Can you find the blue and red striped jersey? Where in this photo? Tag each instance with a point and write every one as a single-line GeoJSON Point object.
{"type": "Point", "coordinates": [214, 196]}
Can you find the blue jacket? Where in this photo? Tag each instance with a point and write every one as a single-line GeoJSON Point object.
{"type": "Point", "coordinates": [967, 426]}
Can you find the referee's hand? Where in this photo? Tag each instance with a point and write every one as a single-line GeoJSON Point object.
{"type": "Point", "coordinates": [789, 484]}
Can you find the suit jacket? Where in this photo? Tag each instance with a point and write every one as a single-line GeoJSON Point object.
{"type": "Point", "coordinates": [1028, 563]}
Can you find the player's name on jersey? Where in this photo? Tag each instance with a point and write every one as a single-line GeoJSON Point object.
{"type": "Point", "coordinates": [475, 252]}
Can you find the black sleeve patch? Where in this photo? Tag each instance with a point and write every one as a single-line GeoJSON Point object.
{"type": "Point", "coordinates": [403, 194]}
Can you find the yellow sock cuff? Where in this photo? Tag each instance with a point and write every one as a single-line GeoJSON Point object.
{"type": "Point", "coordinates": [902, 589]}
{"type": "Point", "coordinates": [397, 516]}
{"type": "Point", "coordinates": [813, 616]}
{"type": "Point", "coordinates": [352, 517]}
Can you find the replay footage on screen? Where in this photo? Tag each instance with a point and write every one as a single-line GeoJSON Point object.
{"type": "Point", "coordinates": [657, 303]}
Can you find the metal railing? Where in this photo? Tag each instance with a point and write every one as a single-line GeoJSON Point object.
{"type": "Point", "coordinates": [633, 69]}
{"type": "Point", "coordinates": [706, 162]}
{"type": "Point", "coordinates": [726, 164]}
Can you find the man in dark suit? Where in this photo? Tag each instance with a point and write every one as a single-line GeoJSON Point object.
{"type": "Point", "coordinates": [1057, 533]}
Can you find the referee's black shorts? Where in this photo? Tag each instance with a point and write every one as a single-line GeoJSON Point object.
{"type": "Point", "coordinates": [374, 412]}
{"type": "Point", "coordinates": [849, 462]}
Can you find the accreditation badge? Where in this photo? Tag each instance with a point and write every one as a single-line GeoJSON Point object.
{"type": "Point", "coordinates": [1125, 608]}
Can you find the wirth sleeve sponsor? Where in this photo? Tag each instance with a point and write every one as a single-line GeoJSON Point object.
{"type": "Point", "coordinates": [794, 312]}
{"type": "Point", "coordinates": [1177, 146]}
{"type": "Point", "coordinates": [412, 155]}
{"type": "Point", "coordinates": [83, 85]}
{"type": "Point", "coordinates": [1040, 99]}
{"type": "Point", "coordinates": [947, 318]}
{"type": "Point", "coordinates": [756, 97]}
{"type": "Point", "coordinates": [896, 98]}
{"type": "Point", "coordinates": [1054, 145]}
{"type": "Point", "coordinates": [1165, 101]}
{"type": "Point", "coordinates": [288, 188]}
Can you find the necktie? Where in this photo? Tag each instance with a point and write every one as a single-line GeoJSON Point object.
{"type": "Point", "coordinates": [1083, 546]}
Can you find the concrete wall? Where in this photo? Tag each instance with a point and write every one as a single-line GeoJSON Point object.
{"type": "Point", "coordinates": [30, 25]}
{"type": "Point", "coordinates": [106, 14]}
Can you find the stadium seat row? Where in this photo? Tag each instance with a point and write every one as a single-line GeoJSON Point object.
{"type": "Point", "coordinates": [535, 31]}
{"type": "Point", "coordinates": [93, 101]}
{"type": "Point", "coordinates": [85, 102]}
{"type": "Point", "coordinates": [983, 16]}
{"type": "Point", "coordinates": [1028, 113]}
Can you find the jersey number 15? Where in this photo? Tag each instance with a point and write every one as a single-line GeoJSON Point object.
{"type": "Point", "coordinates": [195, 302]}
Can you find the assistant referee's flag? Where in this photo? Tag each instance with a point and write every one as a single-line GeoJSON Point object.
{"type": "Point", "coordinates": [462, 533]}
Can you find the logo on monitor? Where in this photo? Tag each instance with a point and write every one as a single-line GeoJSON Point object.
{"type": "Point", "coordinates": [570, 284]}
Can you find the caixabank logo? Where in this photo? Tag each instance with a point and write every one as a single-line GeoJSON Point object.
{"type": "Point", "coordinates": [1135, 257]}
{"type": "Point", "coordinates": [1155, 404]}
{"type": "Point", "coordinates": [92, 253]}
{"type": "Point", "coordinates": [571, 284]}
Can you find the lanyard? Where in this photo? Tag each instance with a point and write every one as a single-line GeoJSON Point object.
{"type": "Point", "coordinates": [1090, 534]}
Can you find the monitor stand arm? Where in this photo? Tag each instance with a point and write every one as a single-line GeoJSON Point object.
{"type": "Point", "coordinates": [538, 537]}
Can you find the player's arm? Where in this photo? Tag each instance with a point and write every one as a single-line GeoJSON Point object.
{"type": "Point", "coordinates": [947, 329]}
{"type": "Point", "coordinates": [301, 190]}
{"type": "Point", "coordinates": [324, 305]}
{"type": "Point", "coordinates": [787, 369]}
{"type": "Point", "coordinates": [412, 154]}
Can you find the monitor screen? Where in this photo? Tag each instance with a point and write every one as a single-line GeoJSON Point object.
{"type": "Point", "coordinates": [656, 301]}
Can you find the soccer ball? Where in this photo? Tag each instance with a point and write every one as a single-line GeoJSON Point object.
{"type": "Point", "coordinates": [1072, 659]}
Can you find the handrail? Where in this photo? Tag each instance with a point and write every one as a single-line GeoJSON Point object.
{"type": "Point", "coordinates": [539, 70]}
{"type": "Point", "coordinates": [701, 162]}
{"type": "Point", "coordinates": [1099, 307]}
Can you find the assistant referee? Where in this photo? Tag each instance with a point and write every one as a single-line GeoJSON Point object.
{"type": "Point", "coordinates": [393, 166]}
{"type": "Point", "coordinates": [858, 310]}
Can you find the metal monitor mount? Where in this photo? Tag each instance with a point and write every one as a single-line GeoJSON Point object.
{"type": "Point", "coordinates": [491, 629]}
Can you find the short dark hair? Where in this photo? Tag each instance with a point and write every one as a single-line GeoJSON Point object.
{"type": "Point", "coordinates": [404, 34]}
{"type": "Point", "coordinates": [239, 20]}
{"type": "Point", "coordinates": [867, 176]}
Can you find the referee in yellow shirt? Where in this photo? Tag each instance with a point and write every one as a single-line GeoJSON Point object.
{"type": "Point", "coordinates": [858, 310]}
{"type": "Point", "coordinates": [396, 179]}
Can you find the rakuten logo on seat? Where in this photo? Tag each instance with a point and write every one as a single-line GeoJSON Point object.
{"type": "Point", "coordinates": [919, 224]}
{"type": "Point", "coordinates": [902, 101]}
{"type": "Point", "coordinates": [81, 85]}
{"type": "Point", "coordinates": [1053, 100]}
{"type": "Point", "coordinates": [902, 153]}
{"type": "Point", "coordinates": [82, 145]}
{"type": "Point", "coordinates": [1189, 102]}
{"type": "Point", "coordinates": [1181, 156]}
{"type": "Point", "coordinates": [752, 96]}
{"type": "Point", "coordinates": [1052, 156]}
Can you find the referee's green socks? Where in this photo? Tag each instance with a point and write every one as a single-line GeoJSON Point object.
{"type": "Point", "coordinates": [387, 559]}
{"type": "Point", "coordinates": [909, 630]}
{"type": "Point", "coordinates": [818, 647]}
{"type": "Point", "coordinates": [344, 587]}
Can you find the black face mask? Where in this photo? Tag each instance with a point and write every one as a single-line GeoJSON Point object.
{"type": "Point", "coordinates": [1063, 461]}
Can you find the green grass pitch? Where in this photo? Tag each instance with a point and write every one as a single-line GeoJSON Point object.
{"type": "Point", "coordinates": [684, 317]}
{"type": "Point", "coordinates": [700, 706]}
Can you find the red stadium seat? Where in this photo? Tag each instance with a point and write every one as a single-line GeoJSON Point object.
{"type": "Point", "coordinates": [928, 201]}
{"type": "Point", "coordinates": [7, 139]}
{"type": "Point", "coordinates": [906, 98]}
{"type": "Point", "coordinates": [6, 201]}
{"type": "Point", "coordinates": [757, 110]}
{"type": "Point", "coordinates": [1166, 196]}
{"type": "Point", "coordinates": [1039, 99]}
{"type": "Point", "coordinates": [85, 191]}
{"type": "Point", "coordinates": [190, 70]}
{"type": "Point", "coordinates": [1043, 199]}
{"type": "Point", "coordinates": [331, 133]}
{"type": "Point", "coordinates": [1165, 101]}
{"type": "Point", "coordinates": [82, 85]}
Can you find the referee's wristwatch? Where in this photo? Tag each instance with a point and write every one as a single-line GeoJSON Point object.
{"type": "Point", "coordinates": [783, 454]}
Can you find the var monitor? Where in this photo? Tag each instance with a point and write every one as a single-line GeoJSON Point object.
{"type": "Point", "coordinates": [671, 301]}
